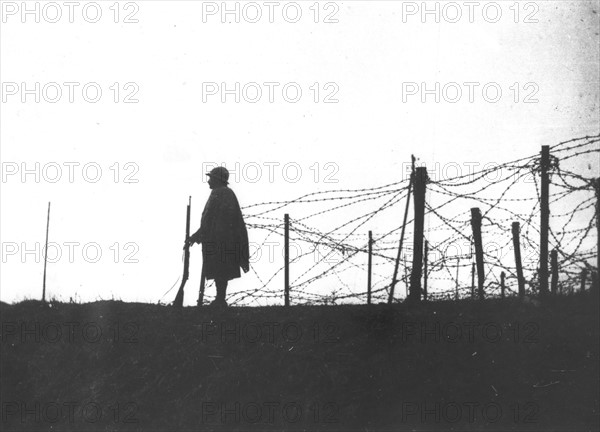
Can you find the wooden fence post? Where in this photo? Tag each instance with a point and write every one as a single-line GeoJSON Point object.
{"type": "Point", "coordinates": [425, 258]}
{"type": "Point", "coordinates": [502, 286]}
{"type": "Point", "coordinates": [518, 264]}
{"type": "Point", "coordinates": [596, 285]}
{"type": "Point", "coordinates": [419, 200]}
{"type": "Point", "coordinates": [476, 226]}
{"type": "Point", "coordinates": [46, 254]}
{"type": "Point", "coordinates": [554, 270]}
{"type": "Point", "coordinates": [286, 247]}
{"type": "Point", "coordinates": [544, 220]}
{"type": "Point", "coordinates": [370, 263]}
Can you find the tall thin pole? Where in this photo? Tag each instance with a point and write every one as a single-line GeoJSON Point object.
{"type": "Point", "coordinates": [476, 226]}
{"type": "Point", "coordinates": [370, 264]}
{"type": "Point", "coordinates": [397, 265]}
{"type": "Point", "coordinates": [544, 220]}
{"type": "Point", "coordinates": [597, 187]}
{"type": "Point", "coordinates": [517, 247]}
{"type": "Point", "coordinates": [425, 270]}
{"type": "Point", "coordinates": [46, 254]}
{"type": "Point", "coordinates": [286, 247]}
{"type": "Point", "coordinates": [417, 266]}
{"type": "Point", "coordinates": [502, 286]}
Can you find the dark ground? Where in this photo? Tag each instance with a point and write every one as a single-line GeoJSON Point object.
{"type": "Point", "coordinates": [493, 365]}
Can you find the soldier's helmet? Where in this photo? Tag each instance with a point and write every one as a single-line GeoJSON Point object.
{"type": "Point", "coordinates": [219, 173]}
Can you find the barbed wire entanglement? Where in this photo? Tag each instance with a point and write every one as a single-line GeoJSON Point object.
{"type": "Point", "coordinates": [328, 233]}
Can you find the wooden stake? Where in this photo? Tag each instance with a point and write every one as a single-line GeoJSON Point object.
{"type": "Point", "coordinates": [597, 187]}
{"type": "Point", "coordinates": [417, 266]}
{"type": "Point", "coordinates": [518, 264]}
{"type": "Point", "coordinates": [369, 269]}
{"type": "Point", "coordinates": [544, 220]}
{"type": "Point", "coordinates": [476, 226]}
{"type": "Point", "coordinates": [287, 259]}
{"type": "Point", "coordinates": [46, 254]}
{"type": "Point", "coordinates": [502, 287]}
{"type": "Point", "coordinates": [425, 258]}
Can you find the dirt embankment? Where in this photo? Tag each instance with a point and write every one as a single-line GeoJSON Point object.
{"type": "Point", "coordinates": [492, 365]}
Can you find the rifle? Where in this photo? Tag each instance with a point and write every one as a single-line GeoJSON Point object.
{"type": "Point", "coordinates": [186, 260]}
{"type": "Point", "coordinates": [202, 283]}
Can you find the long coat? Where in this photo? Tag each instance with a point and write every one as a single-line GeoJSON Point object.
{"type": "Point", "coordinates": [223, 236]}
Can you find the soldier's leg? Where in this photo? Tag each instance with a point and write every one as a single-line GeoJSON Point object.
{"type": "Point", "coordinates": [221, 290]}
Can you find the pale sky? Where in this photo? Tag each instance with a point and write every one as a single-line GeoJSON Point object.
{"type": "Point", "coordinates": [166, 140]}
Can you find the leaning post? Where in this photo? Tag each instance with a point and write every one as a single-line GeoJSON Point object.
{"type": "Point", "coordinates": [518, 263]}
{"type": "Point", "coordinates": [397, 265]}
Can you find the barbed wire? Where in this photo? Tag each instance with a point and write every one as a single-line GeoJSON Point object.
{"type": "Point", "coordinates": [507, 192]}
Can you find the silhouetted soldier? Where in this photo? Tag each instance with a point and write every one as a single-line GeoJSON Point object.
{"type": "Point", "coordinates": [223, 235]}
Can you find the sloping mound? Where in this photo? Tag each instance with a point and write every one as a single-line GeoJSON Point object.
{"type": "Point", "coordinates": [492, 365]}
